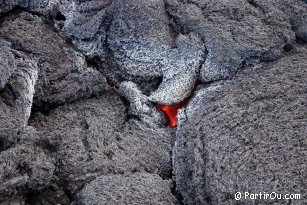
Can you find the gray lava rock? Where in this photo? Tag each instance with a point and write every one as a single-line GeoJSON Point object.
{"type": "Point", "coordinates": [133, 189]}
{"type": "Point", "coordinates": [300, 27]}
{"type": "Point", "coordinates": [135, 43]}
{"type": "Point", "coordinates": [145, 48]}
{"type": "Point", "coordinates": [181, 70]}
{"type": "Point", "coordinates": [246, 135]}
{"type": "Point", "coordinates": [19, 200]}
{"type": "Point", "coordinates": [139, 37]}
{"type": "Point", "coordinates": [17, 96]}
{"type": "Point", "coordinates": [94, 137]}
{"type": "Point", "coordinates": [40, 6]}
{"type": "Point", "coordinates": [7, 62]}
{"type": "Point", "coordinates": [24, 167]}
{"type": "Point", "coordinates": [64, 75]}
{"type": "Point", "coordinates": [140, 106]}
{"type": "Point", "coordinates": [88, 145]}
{"type": "Point", "coordinates": [86, 24]}
{"type": "Point", "coordinates": [235, 31]}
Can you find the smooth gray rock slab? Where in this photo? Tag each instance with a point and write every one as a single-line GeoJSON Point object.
{"type": "Point", "coordinates": [133, 189]}
{"type": "Point", "coordinates": [94, 137]}
{"type": "Point", "coordinates": [246, 135]}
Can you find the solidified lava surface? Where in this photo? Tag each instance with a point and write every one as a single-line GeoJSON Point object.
{"type": "Point", "coordinates": [90, 89]}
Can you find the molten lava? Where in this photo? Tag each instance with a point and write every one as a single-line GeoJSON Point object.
{"type": "Point", "coordinates": [171, 110]}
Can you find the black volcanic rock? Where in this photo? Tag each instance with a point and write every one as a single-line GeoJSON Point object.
{"type": "Point", "coordinates": [246, 135]}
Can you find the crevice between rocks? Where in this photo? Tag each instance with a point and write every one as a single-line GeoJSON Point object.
{"type": "Point", "coordinates": [178, 196]}
{"type": "Point", "coordinates": [256, 5]}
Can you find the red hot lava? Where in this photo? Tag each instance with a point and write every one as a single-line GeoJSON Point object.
{"type": "Point", "coordinates": [171, 110]}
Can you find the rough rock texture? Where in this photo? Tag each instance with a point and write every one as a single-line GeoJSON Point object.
{"type": "Point", "coordinates": [247, 134]}
{"type": "Point", "coordinates": [135, 39]}
{"type": "Point", "coordinates": [85, 24]}
{"type": "Point", "coordinates": [143, 41]}
{"type": "Point", "coordinates": [147, 48]}
{"type": "Point", "coordinates": [17, 96]}
{"type": "Point", "coordinates": [7, 62]}
{"type": "Point", "coordinates": [19, 200]}
{"type": "Point", "coordinates": [129, 189]}
{"type": "Point", "coordinates": [82, 82]}
{"type": "Point", "coordinates": [38, 6]}
{"type": "Point", "coordinates": [236, 31]}
{"type": "Point", "coordinates": [93, 137]}
{"type": "Point", "coordinates": [140, 106]}
{"type": "Point", "coordinates": [64, 75]}
{"type": "Point", "coordinates": [25, 167]}
{"type": "Point", "coordinates": [74, 143]}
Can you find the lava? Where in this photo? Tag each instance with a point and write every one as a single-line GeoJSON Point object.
{"type": "Point", "coordinates": [172, 110]}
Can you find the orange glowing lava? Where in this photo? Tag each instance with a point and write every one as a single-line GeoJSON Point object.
{"type": "Point", "coordinates": [171, 110]}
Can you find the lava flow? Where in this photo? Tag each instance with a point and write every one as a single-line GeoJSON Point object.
{"type": "Point", "coordinates": [171, 110]}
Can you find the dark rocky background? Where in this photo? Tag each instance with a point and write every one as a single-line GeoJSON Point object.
{"type": "Point", "coordinates": [80, 82]}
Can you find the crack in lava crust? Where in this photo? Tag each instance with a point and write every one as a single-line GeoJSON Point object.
{"type": "Point", "coordinates": [172, 110]}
